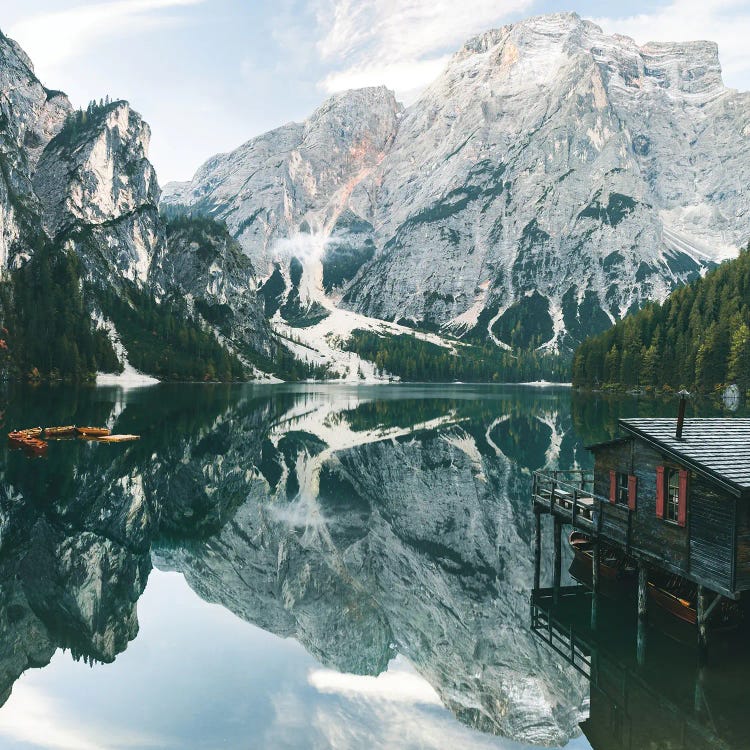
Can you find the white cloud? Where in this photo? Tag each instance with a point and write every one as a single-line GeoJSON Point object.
{"type": "Point", "coordinates": [31, 717]}
{"type": "Point", "coordinates": [726, 22]}
{"type": "Point", "coordinates": [50, 39]}
{"type": "Point", "coordinates": [396, 685]}
{"type": "Point", "coordinates": [402, 44]}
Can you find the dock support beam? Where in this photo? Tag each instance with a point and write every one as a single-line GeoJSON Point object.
{"type": "Point", "coordinates": [596, 558]}
{"type": "Point", "coordinates": [642, 613]}
{"type": "Point", "coordinates": [642, 591]}
{"type": "Point", "coordinates": [558, 561]}
{"type": "Point", "coordinates": [702, 625]}
{"type": "Point", "coordinates": [537, 549]}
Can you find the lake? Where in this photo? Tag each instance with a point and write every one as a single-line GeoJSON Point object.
{"type": "Point", "coordinates": [319, 566]}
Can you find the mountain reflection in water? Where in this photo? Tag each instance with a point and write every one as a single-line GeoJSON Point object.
{"type": "Point", "coordinates": [385, 529]}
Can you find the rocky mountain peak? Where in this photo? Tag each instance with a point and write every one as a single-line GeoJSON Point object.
{"type": "Point", "coordinates": [95, 175]}
{"type": "Point", "coordinates": [297, 178]}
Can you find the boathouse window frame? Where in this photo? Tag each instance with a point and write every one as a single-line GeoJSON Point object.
{"type": "Point", "coordinates": [622, 488]}
{"type": "Point", "coordinates": [672, 495]}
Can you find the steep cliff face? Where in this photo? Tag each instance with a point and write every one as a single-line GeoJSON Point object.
{"type": "Point", "coordinates": [81, 183]}
{"type": "Point", "coordinates": [552, 159]}
{"type": "Point", "coordinates": [552, 179]}
{"type": "Point", "coordinates": [99, 192]}
{"type": "Point", "coordinates": [204, 263]}
{"type": "Point", "coordinates": [30, 116]}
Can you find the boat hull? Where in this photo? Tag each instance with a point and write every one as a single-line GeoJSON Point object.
{"type": "Point", "coordinates": [92, 431]}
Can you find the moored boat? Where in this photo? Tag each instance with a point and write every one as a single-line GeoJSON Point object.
{"type": "Point", "coordinates": [92, 431]}
{"type": "Point", "coordinates": [678, 597]}
{"type": "Point", "coordinates": [30, 432]}
{"type": "Point", "coordinates": [25, 439]}
{"type": "Point", "coordinates": [117, 438]}
{"type": "Point", "coordinates": [59, 431]}
{"type": "Point", "coordinates": [17, 437]}
{"type": "Point", "coordinates": [611, 564]}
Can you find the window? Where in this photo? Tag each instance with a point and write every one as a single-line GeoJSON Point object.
{"type": "Point", "coordinates": [672, 494]}
{"type": "Point", "coordinates": [622, 489]}
{"type": "Point", "coordinates": [672, 504]}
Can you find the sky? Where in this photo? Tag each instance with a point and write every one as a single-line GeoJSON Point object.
{"type": "Point", "coordinates": [208, 75]}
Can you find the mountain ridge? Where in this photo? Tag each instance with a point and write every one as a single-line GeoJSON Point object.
{"type": "Point", "coordinates": [548, 159]}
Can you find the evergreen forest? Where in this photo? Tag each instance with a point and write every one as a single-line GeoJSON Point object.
{"type": "Point", "coordinates": [698, 338]}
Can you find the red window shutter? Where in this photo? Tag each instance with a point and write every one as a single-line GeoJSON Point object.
{"type": "Point", "coordinates": [632, 489]}
{"type": "Point", "coordinates": [612, 487]}
{"type": "Point", "coordinates": [682, 504]}
{"type": "Point", "coordinates": [660, 492]}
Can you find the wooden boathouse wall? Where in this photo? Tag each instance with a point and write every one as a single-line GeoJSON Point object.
{"type": "Point", "coordinates": [742, 564]}
{"type": "Point", "coordinates": [704, 549]}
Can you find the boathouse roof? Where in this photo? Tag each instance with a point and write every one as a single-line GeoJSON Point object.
{"type": "Point", "coordinates": [716, 447]}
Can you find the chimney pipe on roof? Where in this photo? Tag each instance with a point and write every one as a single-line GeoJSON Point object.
{"type": "Point", "coordinates": [681, 414]}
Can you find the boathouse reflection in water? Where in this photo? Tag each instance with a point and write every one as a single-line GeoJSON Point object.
{"type": "Point", "coordinates": [657, 696]}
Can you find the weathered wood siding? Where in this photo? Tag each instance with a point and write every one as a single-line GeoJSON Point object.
{"type": "Point", "coordinates": [659, 538]}
{"type": "Point", "coordinates": [743, 545]}
{"type": "Point", "coordinates": [703, 549]}
{"type": "Point", "coordinates": [649, 534]}
{"type": "Point", "coordinates": [711, 523]}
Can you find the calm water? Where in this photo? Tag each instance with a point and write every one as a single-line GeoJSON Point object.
{"type": "Point", "coordinates": [315, 567]}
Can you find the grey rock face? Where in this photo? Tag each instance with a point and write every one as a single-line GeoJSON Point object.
{"type": "Point", "coordinates": [549, 160]}
{"type": "Point", "coordinates": [84, 182]}
{"type": "Point", "coordinates": [99, 194]}
{"type": "Point", "coordinates": [295, 179]}
{"type": "Point", "coordinates": [30, 116]}
{"type": "Point", "coordinates": [202, 262]}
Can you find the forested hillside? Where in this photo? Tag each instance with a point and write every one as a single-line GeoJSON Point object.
{"type": "Point", "coordinates": [698, 338]}
{"type": "Point", "coordinates": [48, 332]}
{"type": "Point", "coordinates": [412, 359]}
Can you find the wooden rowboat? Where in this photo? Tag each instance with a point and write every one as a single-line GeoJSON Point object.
{"type": "Point", "coordinates": [671, 594]}
{"type": "Point", "coordinates": [35, 445]}
{"type": "Point", "coordinates": [21, 439]}
{"type": "Point", "coordinates": [678, 597]}
{"type": "Point", "coordinates": [30, 432]}
{"type": "Point", "coordinates": [611, 564]}
{"type": "Point", "coordinates": [117, 438]}
{"type": "Point", "coordinates": [92, 431]}
{"type": "Point", "coordinates": [59, 431]}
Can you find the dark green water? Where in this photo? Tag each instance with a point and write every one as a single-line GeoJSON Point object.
{"type": "Point", "coordinates": [314, 567]}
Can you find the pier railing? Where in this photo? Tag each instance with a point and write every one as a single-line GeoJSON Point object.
{"type": "Point", "coordinates": [570, 493]}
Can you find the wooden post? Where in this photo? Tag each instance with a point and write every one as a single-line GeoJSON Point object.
{"type": "Point", "coordinates": [702, 625]}
{"type": "Point", "coordinates": [642, 591]}
{"type": "Point", "coordinates": [595, 562]}
{"type": "Point", "coordinates": [641, 642]}
{"type": "Point", "coordinates": [537, 548]}
{"type": "Point", "coordinates": [642, 612]}
{"type": "Point", "coordinates": [699, 697]}
{"type": "Point", "coordinates": [558, 561]}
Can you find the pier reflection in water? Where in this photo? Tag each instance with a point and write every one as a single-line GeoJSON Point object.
{"type": "Point", "coordinates": [348, 535]}
{"type": "Point", "coordinates": [660, 696]}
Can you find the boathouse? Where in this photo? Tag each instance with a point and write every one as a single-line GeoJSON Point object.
{"type": "Point", "coordinates": [671, 494]}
